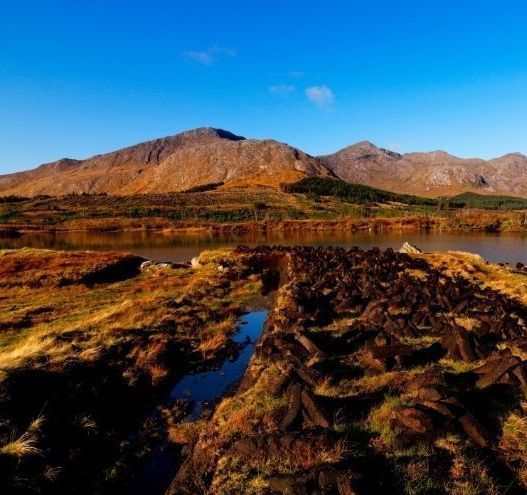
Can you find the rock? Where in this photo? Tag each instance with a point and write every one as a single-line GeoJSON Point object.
{"type": "Point", "coordinates": [145, 265]}
{"type": "Point", "coordinates": [519, 373]}
{"type": "Point", "coordinates": [442, 408]}
{"type": "Point", "coordinates": [494, 369]}
{"type": "Point", "coordinates": [309, 375]}
{"type": "Point", "coordinates": [195, 262]}
{"type": "Point", "coordinates": [474, 430]}
{"type": "Point", "coordinates": [293, 407]}
{"type": "Point", "coordinates": [309, 345]}
{"type": "Point", "coordinates": [430, 393]}
{"type": "Point", "coordinates": [408, 248]}
{"type": "Point", "coordinates": [461, 346]}
{"type": "Point", "coordinates": [384, 358]}
{"type": "Point", "coordinates": [314, 411]}
{"type": "Point", "coordinates": [414, 419]}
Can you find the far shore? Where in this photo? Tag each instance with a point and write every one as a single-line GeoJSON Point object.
{"type": "Point", "coordinates": [498, 223]}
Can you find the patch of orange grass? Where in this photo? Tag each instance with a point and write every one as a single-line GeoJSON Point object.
{"type": "Point", "coordinates": [474, 268]}
{"type": "Point", "coordinates": [41, 267]}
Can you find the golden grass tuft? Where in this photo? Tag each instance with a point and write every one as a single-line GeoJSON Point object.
{"type": "Point", "coordinates": [474, 268]}
{"type": "Point", "coordinates": [23, 446]}
{"type": "Point", "coordinates": [364, 385]}
{"type": "Point", "coordinates": [513, 444]}
{"type": "Point", "coordinates": [379, 418]}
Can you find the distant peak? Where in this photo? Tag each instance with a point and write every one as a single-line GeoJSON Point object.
{"type": "Point", "coordinates": [210, 132]}
{"type": "Point", "coordinates": [510, 156]}
{"type": "Point", "coordinates": [367, 148]}
{"type": "Point", "coordinates": [364, 144]}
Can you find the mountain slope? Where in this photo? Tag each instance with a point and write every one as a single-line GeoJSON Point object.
{"type": "Point", "coordinates": [173, 163]}
{"type": "Point", "coordinates": [430, 174]}
{"type": "Point", "coordinates": [206, 155]}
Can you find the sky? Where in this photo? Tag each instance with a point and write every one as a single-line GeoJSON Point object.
{"type": "Point", "coordinates": [80, 77]}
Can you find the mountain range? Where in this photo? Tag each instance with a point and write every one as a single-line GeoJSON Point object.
{"type": "Point", "coordinates": [214, 156]}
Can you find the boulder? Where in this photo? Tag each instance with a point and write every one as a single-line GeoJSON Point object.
{"type": "Point", "coordinates": [408, 248]}
{"type": "Point", "coordinates": [430, 393]}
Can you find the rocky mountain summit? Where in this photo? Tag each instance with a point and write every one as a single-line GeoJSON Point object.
{"type": "Point", "coordinates": [174, 163]}
{"type": "Point", "coordinates": [214, 156]}
{"type": "Point", "coordinates": [429, 174]}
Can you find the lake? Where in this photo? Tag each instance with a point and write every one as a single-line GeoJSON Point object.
{"type": "Point", "coordinates": [178, 247]}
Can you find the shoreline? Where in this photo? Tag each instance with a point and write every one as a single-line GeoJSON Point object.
{"type": "Point", "coordinates": [376, 225]}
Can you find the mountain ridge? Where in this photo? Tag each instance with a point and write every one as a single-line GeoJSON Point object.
{"type": "Point", "coordinates": [209, 155]}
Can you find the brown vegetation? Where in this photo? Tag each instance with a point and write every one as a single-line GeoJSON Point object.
{"type": "Point", "coordinates": [365, 381]}
{"type": "Point", "coordinates": [87, 342]}
{"type": "Point", "coordinates": [377, 372]}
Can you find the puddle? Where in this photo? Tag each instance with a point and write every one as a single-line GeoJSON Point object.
{"type": "Point", "coordinates": [207, 387]}
{"type": "Point", "coordinates": [203, 389]}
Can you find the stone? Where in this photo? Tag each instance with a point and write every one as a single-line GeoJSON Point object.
{"type": "Point", "coordinates": [414, 419]}
{"type": "Point", "coordinates": [474, 430]}
{"type": "Point", "coordinates": [293, 407]}
{"type": "Point", "coordinates": [195, 262]}
{"type": "Point", "coordinates": [145, 265]}
{"type": "Point", "coordinates": [408, 248]}
{"type": "Point", "coordinates": [314, 411]}
{"type": "Point", "coordinates": [442, 408]}
{"type": "Point", "coordinates": [461, 346]}
{"type": "Point", "coordinates": [309, 345]}
{"type": "Point", "coordinates": [430, 393]}
{"type": "Point", "coordinates": [494, 369]}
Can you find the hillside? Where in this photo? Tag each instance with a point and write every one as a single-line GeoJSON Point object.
{"type": "Point", "coordinates": [206, 156]}
{"type": "Point", "coordinates": [175, 163]}
{"type": "Point", "coordinates": [429, 174]}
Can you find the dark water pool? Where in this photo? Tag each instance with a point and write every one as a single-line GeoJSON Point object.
{"type": "Point", "coordinates": [203, 389]}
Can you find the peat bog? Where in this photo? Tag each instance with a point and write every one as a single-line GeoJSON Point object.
{"type": "Point", "coordinates": [376, 372]}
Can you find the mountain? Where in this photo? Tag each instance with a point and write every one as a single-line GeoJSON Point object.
{"type": "Point", "coordinates": [210, 156]}
{"type": "Point", "coordinates": [175, 163]}
{"type": "Point", "coordinates": [428, 174]}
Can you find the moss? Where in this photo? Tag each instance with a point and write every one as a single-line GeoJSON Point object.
{"type": "Point", "coordinates": [379, 418]}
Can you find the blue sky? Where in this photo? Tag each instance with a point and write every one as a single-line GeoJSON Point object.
{"type": "Point", "coordinates": [85, 77]}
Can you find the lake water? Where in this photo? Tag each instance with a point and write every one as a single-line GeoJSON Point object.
{"type": "Point", "coordinates": [177, 247]}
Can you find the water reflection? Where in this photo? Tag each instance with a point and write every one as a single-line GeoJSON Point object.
{"type": "Point", "coordinates": [177, 247]}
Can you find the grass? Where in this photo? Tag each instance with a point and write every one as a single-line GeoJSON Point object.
{"type": "Point", "coordinates": [513, 444]}
{"type": "Point", "coordinates": [249, 205]}
{"type": "Point", "coordinates": [364, 385]}
{"type": "Point", "coordinates": [250, 475]}
{"type": "Point", "coordinates": [138, 330]}
{"type": "Point", "coordinates": [474, 268]}
{"type": "Point", "coordinates": [22, 446]}
{"type": "Point", "coordinates": [379, 418]}
{"type": "Point", "coordinates": [459, 367]}
{"type": "Point", "coordinates": [83, 321]}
